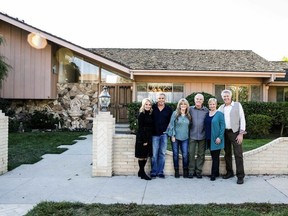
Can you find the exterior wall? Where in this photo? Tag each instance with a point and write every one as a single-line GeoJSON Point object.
{"type": "Point", "coordinates": [3, 143]}
{"type": "Point", "coordinates": [272, 96]}
{"type": "Point", "coordinates": [31, 76]}
{"type": "Point", "coordinates": [195, 84]}
{"type": "Point", "coordinates": [268, 159]}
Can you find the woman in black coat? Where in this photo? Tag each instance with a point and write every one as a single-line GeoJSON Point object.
{"type": "Point", "coordinates": [143, 146]}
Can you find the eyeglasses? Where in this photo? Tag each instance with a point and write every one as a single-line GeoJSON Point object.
{"type": "Point", "coordinates": [161, 98]}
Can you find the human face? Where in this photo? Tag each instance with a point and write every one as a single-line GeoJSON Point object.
{"type": "Point", "coordinates": [161, 100]}
{"type": "Point", "coordinates": [147, 106]}
{"type": "Point", "coordinates": [198, 101]}
{"type": "Point", "coordinates": [212, 106]}
{"type": "Point", "coordinates": [227, 98]}
{"type": "Point", "coordinates": [183, 106]}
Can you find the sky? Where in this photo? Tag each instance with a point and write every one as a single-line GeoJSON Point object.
{"type": "Point", "coordinates": [257, 25]}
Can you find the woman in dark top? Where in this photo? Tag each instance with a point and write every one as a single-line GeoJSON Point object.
{"type": "Point", "coordinates": [143, 147]}
{"type": "Point", "coordinates": [214, 129]}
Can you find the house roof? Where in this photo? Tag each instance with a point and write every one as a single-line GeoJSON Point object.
{"type": "Point", "coordinates": [283, 65]}
{"type": "Point", "coordinates": [189, 59]}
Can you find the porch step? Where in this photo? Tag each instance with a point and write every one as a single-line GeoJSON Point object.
{"type": "Point", "coordinates": [122, 128]}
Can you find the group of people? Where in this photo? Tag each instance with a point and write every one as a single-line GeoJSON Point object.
{"type": "Point", "coordinates": [192, 129]}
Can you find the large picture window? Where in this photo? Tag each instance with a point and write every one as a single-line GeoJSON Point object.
{"type": "Point", "coordinates": [173, 91]}
{"type": "Point", "coordinates": [241, 93]}
{"type": "Point", "coordinates": [74, 69]}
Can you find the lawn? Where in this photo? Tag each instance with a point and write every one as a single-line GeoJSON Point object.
{"type": "Point", "coordinates": [80, 209]}
{"type": "Point", "coordinates": [28, 148]}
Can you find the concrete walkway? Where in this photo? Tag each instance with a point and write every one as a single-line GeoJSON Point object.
{"type": "Point", "coordinates": [67, 177]}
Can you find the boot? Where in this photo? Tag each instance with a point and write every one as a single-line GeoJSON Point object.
{"type": "Point", "coordinates": [185, 173]}
{"type": "Point", "coordinates": [142, 170]}
{"type": "Point", "coordinates": [177, 175]}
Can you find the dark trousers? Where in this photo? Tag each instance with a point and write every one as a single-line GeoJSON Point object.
{"type": "Point", "coordinates": [230, 140]}
{"type": "Point", "coordinates": [215, 155]}
{"type": "Point", "coordinates": [215, 162]}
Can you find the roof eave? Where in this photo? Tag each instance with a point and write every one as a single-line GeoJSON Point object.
{"type": "Point", "coordinates": [258, 74]}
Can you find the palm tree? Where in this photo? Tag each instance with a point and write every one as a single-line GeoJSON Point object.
{"type": "Point", "coordinates": [4, 67]}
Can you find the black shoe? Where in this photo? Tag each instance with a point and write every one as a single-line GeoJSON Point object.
{"type": "Point", "coordinates": [190, 175]}
{"type": "Point", "coordinates": [161, 176]}
{"type": "Point", "coordinates": [240, 181]}
{"type": "Point", "coordinates": [153, 176]}
{"type": "Point", "coordinates": [228, 175]}
{"type": "Point", "coordinates": [177, 175]}
{"type": "Point", "coordinates": [212, 178]}
{"type": "Point", "coordinates": [139, 173]}
{"type": "Point", "coordinates": [185, 173]}
{"type": "Point", "coordinates": [145, 177]}
{"type": "Point", "coordinates": [199, 176]}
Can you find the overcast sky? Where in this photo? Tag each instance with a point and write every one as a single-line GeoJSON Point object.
{"type": "Point", "coordinates": [258, 25]}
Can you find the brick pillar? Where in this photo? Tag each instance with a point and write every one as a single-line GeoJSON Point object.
{"type": "Point", "coordinates": [3, 143]}
{"type": "Point", "coordinates": [103, 132]}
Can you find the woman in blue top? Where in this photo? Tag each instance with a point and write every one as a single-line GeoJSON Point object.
{"type": "Point", "coordinates": [214, 129]}
{"type": "Point", "coordinates": [178, 130]}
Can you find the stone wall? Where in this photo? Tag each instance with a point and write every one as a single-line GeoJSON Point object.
{"type": "Point", "coordinates": [86, 93]}
{"type": "Point", "coordinates": [3, 143]}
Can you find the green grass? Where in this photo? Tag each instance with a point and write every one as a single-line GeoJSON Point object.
{"type": "Point", "coordinates": [80, 209]}
{"type": "Point", "coordinates": [248, 144]}
{"type": "Point", "coordinates": [28, 148]}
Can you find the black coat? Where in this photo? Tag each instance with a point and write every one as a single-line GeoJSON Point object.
{"type": "Point", "coordinates": [144, 135]}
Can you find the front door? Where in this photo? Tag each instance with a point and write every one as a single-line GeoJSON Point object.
{"type": "Point", "coordinates": [121, 96]}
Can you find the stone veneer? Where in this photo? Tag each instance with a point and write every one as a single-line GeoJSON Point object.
{"type": "Point", "coordinates": [3, 143]}
{"type": "Point", "coordinates": [86, 93]}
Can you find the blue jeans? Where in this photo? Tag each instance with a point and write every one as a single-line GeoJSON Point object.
{"type": "Point", "coordinates": [183, 144]}
{"type": "Point", "coordinates": [159, 145]}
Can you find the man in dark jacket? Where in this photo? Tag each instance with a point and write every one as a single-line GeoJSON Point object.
{"type": "Point", "coordinates": [161, 116]}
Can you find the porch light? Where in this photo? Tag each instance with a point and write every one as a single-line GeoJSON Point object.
{"type": "Point", "coordinates": [104, 99]}
{"type": "Point", "coordinates": [36, 40]}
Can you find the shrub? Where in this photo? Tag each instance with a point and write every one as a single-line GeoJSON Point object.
{"type": "Point", "coordinates": [207, 96]}
{"type": "Point", "coordinates": [133, 112]}
{"type": "Point", "coordinates": [258, 125]}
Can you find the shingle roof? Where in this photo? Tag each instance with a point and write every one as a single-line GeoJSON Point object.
{"type": "Point", "coordinates": [283, 65]}
{"type": "Point", "coordinates": [188, 59]}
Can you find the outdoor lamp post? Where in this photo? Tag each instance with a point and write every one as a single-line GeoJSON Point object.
{"type": "Point", "coordinates": [104, 99]}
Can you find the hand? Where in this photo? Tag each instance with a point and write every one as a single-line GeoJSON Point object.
{"type": "Point", "coordinates": [144, 144]}
{"type": "Point", "coordinates": [239, 139]}
{"type": "Point", "coordinates": [173, 139]}
{"type": "Point", "coordinates": [218, 141]}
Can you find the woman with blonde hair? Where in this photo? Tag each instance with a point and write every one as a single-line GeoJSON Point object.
{"type": "Point", "coordinates": [214, 129]}
{"type": "Point", "coordinates": [143, 146]}
{"type": "Point", "coordinates": [178, 130]}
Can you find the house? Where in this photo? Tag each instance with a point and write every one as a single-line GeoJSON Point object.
{"type": "Point", "coordinates": [49, 72]}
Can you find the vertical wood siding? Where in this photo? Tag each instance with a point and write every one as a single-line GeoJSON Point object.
{"type": "Point", "coordinates": [31, 76]}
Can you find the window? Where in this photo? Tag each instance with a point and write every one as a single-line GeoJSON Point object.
{"type": "Point", "coordinates": [111, 77]}
{"type": "Point", "coordinates": [74, 69]}
{"type": "Point", "coordinates": [173, 91]}
{"type": "Point", "coordinates": [241, 93]}
{"type": "Point", "coordinates": [282, 94]}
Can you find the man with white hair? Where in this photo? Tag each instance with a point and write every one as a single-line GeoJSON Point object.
{"type": "Point", "coordinates": [197, 143]}
{"type": "Point", "coordinates": [235, 129]}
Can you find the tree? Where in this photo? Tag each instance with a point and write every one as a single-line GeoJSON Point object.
{"type": "Point", "coordinates": [4, 67]}
{"type": "Point", "coordinates": [285, 58]}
